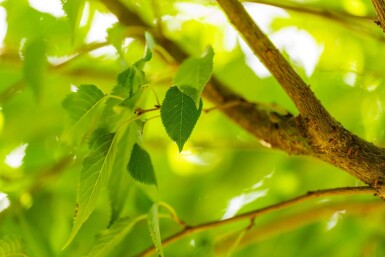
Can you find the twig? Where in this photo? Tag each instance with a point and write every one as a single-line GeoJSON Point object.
{"type": "Point", "coordinates": [223, 106]}
{"type": "Point", "coordinates": [139, 111]}
{"type": "Point", "coordinates": [294, 221]}
{"type": "Point", "coordinates": [189, 230]}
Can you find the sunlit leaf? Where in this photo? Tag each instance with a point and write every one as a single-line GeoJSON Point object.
{"type": "Point", "coordinates": [120, 182]}
{"type": "Point", "coordinates": [79, 104]}
{"type": "Point", "coordinates": [153, 226]}
{"type": "Point", "coordinates": [140, 166]}
{"type": "Point", "coordinates": [193, 74]}
{"type": "Point", "coordinates": [96, 170]}
{"type": "Point", "coordinates": [11, 246]}
{"type": "Point", "coordinates": [35, 64]}
{"type": "Point", "coordinates": [74, 10]}
{"type": "Point", "coordinates": [107, 240]}
{"type": "Point", "coordinates": [179, 115]}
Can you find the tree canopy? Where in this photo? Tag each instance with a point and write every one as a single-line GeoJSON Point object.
{"type": "Point", "coordinates": [192, 128]}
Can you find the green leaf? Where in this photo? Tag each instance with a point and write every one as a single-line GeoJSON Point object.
{"type": "Point", "coordinates": [11, 246]}
{"type": "Point", "coordinates": [74, 11]}
{"type": "Point", "coordinates": [95, 172]}
{"type": "Point", "coordinates": [150, 40]}
{"type": "Point", "coordinates": [79, 104]}
{"type": "Point", "coordinates": [179, 115]}
{"type": "Point", "coordinates": [193, 74]}
{"type": "Point", "coordinates": [153, 226]}
{"type": "Point", "coordinates": [140, 166]}
{"type": "Point", "coordinates": [133, 79]}
{"type": "Point", "coordinates": [120, 182]}
{"type": "Point", "coordinates": [35, 64]}
{"type": "Point", "coordinates": [107, 240]}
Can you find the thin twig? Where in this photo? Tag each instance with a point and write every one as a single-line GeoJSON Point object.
{"type": "Point", "coordinates": [223, 106]}
{"type": "Point", "coordinates": [189, 230]}
{"type": "Point", "coordinates": [285, 224]}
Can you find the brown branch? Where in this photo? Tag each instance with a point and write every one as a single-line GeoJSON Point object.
{"type": "Point", "coordinates": [189, 230]}
{"type": "Point", "coordinates": [379, 6]}
{"type": "Point", "coordinates": [349, 21]}
{"type": "Point", "coordinates": [329, 141]}
{"type": "Point", "coordinates": [325, 13]}
{"type": "Point", "coordinates": [294, 221]}
{"type": "Point", "coordinates": [313, 133]}
{"type": "Point", "coordinates": [301, 94]}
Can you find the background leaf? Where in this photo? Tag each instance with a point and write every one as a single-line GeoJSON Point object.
{"type": "Point", "coordinates": [120, 182]}
{"type": "Point", "coordinates": [179, 115]}
{"type": "Point", "coordinates": [96, 169]}
{"type": "Point", "coordinates": [140, 166]}
{"type": "Point", "coordinates": [74, 10]}
{"type": "Point", "coordinates": [153, 226]}
{"type": "Point", "coordinates": [108, 239]}
{"type": "Point", "coordinates": [194, 73]}
{"type": "Point", "coordinates": [80, 103]}
{"type": "Point", "coordinates": [35, 64]}
{"type": "Point", "coordinates": [11, 247]}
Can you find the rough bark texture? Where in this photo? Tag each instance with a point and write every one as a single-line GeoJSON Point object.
{"type": "Point", "coordinates": [314, 132]}
{"type": "Point", "coordinates": [379, 6]}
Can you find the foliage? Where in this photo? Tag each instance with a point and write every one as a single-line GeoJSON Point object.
{"type": "Point", "coordinates": [109, 145]}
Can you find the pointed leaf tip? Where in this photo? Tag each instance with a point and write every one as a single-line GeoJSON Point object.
{"type": "Point", "coordinates": [153, 226]}
{"type": "Point", "coordinates": [140, 166]}
{"type": "Point", "coordinates": [179, 115]}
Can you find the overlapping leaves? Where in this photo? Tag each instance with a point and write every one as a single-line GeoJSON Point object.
{"type": "Point", "coordinates": [182, 105]}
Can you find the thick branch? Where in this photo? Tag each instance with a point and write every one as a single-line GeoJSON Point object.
{"type": "Point", "coordinates": [379, 6]}
{"type": "Point", "coordinates": [313, 133]}
{"type": "Point", "coordinates": [308, 105]}
{"type": "Point", "coordinates": [329, 140]}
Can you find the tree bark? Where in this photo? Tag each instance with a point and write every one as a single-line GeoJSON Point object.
{"type": "Point", "coordinates": [314, 132]}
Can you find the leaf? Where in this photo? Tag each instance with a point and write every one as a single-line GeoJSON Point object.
{"type": "Point", "coordinates": [140, 166]}
{"type": "Point", "coordinates": [153, 226]}
{"type": "Point", "coordinates": [193, 74]}
{"type": "Point", "coordinates": [35, 64]}
{"type": "Point", "coordinates": [97, 166]}
{"type": "Point", "coordinates": [107, 240]}
{"type": "Point", "coordinates": [120, 182]}
{"type": "Point", "coordinates": [74, 11]}
{"type": "Point", "coordinates": [79, 104]}
{"type": "Point", "coordinates": [11, 246]}
{"type": "Point", "coordinates": [179, 115]}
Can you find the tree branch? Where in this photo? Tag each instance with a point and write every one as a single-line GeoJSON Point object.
{"type": "Point", "coordinates": [314, 132]}
{"type": "Point", "coordinates": [328, 139]}
{"type": "Point", "coordinates": [379, 6]}
{"type": "Point", "coordinates": [301, 94]}
{"type": "Point", "coordinates": [189, 230]}
{"type": "Point", "coordinates": [295, 221]}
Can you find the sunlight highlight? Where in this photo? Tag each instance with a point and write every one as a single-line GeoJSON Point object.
{"type": "Point", "coordinates": [3, 26]}
{"type": "Point", "coordinates": [301, 47]}
{"type": "Point", "coordinates": [192, 160]}
{"type": "Point", "coordinates": [337, 216]}
{"type": "Point", "coordinates": [98, 33]}
{"type": "Point", "coordinates": [263, 15]}
{"type": "Point", "coordinates": [4, 201]}
{"type": "Point", "coordinates": [350, 78]}
{"type": "Point", "coordinates": [74, 88]}
{"type": "Point", "coordinates": [100, 23]}
{"type": "Point", "coordinates": [53, 7]}
{"type": "Point", "coordinates": [15, 158]}
{"type": "Point", "coordinates": [251, 194]}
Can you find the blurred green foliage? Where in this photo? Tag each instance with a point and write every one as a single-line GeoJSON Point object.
{"type": "Point", "coordinates": [222, 171]}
